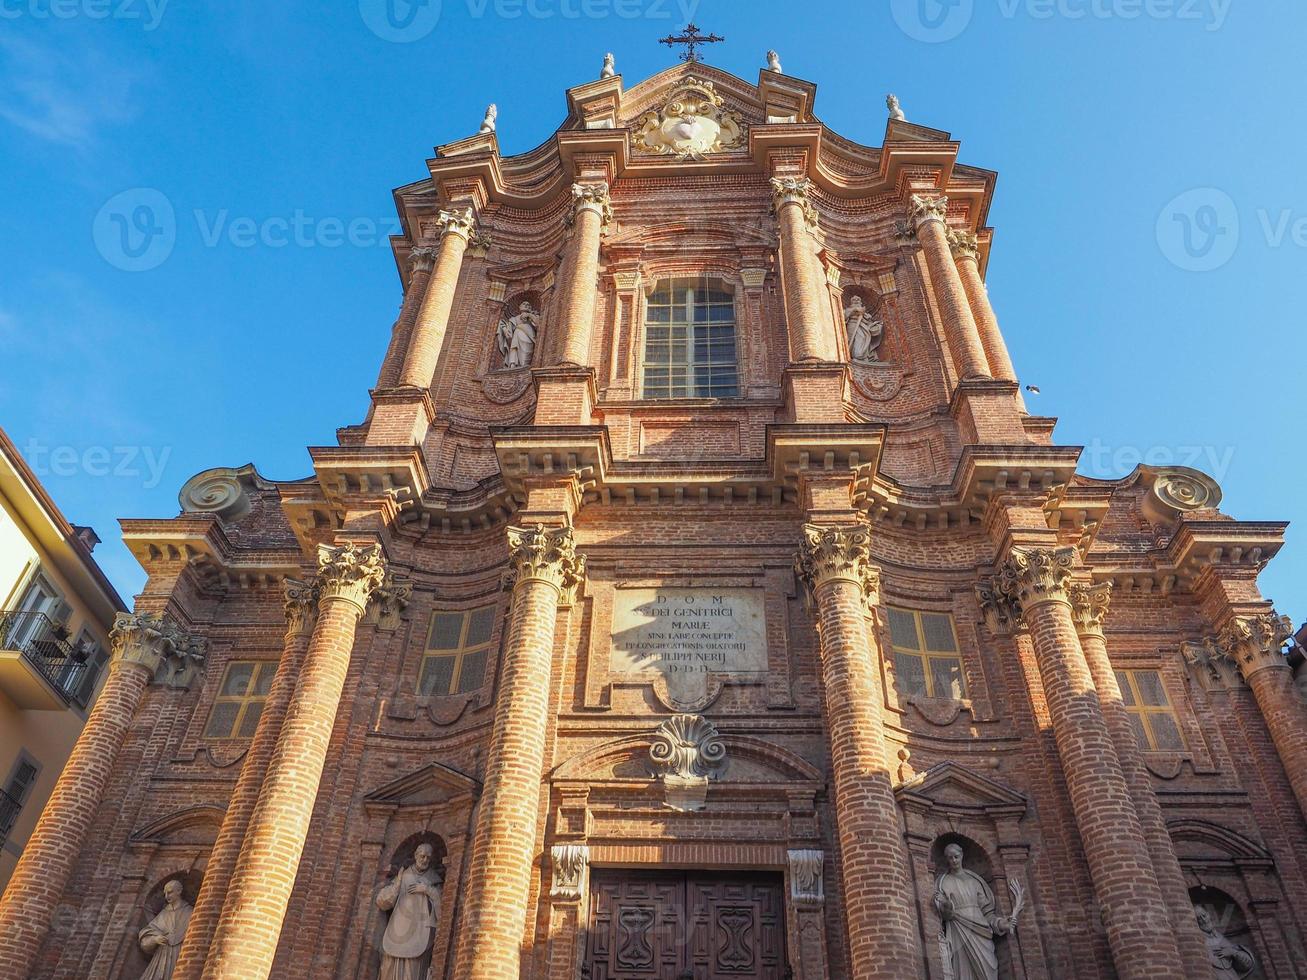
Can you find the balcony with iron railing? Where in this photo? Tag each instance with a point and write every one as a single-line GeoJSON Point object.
{"type": "Point", "coordinates": [39, 669]}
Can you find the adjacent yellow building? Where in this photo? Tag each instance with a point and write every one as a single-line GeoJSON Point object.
{"type": "Point", "coordinates": [57, 610]}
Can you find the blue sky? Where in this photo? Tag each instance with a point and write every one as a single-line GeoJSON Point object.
{"type": "Point", "coordinates": [1148, 266]}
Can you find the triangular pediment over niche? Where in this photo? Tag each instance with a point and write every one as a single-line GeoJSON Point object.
{"type": "Point", "coordinates": [952, 787]}
{"type": "Point", "coordinates": [432, 785]}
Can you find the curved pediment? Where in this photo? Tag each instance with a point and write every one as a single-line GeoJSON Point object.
{"type": "Point", "coordinates": [749, 760]}
{"type": "Point", "coordinates": [1196, 840]}
{"type": "Point", "coordinates": [190, 825]}
{"type": "Point", "coordinates": [952, 787]}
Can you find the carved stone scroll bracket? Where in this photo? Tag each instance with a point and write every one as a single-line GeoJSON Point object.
{"type": "Point", "coordinates": [686, 753]}
{"type": "Point", "coordinates": [571, 869]}
{"type": "Point", "coordinates": [807, 882]}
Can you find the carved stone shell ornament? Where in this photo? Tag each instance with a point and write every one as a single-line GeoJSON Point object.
{"type": "Point", "coordinates": [691, 124]}
{"type": "Point", "coordinates": [686, 753]}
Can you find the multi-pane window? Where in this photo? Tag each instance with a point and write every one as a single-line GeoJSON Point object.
{"type": "Point", "coordinates": [458, 645]}
{"type": "Point", "coordinates": [1151, 714]}
{"type": "Point", "coordinates": [689, 340]}
{"type": "Point", "coordinates": [20, 784]}
{"type": "Point", "coordinates": [239, 703]}
{"type": "Point", "coordinates": [925, 651]}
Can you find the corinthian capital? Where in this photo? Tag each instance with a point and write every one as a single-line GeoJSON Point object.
{"type": "Point", "coordinates": [421, 259]}
{"type": "Point", "coordinates": [301, 600]}
{"type": "Point", "coordinates": [839, 553]}
{"type": "Point", "coordinates": [152, 642]}
{"type": "Point", "coordinates": [924, 209]}
{"type": "Point", "coordinates": [965, 245]}
{"type": "Point", "coordinates": [545, 554]}
{"type": "Point", "coordinates": [1256, 642]}
{"type": "Point", "coordinates": [350, 571]}
{"type": "Point", "coordinates": [459, 223]}
{"type": "Point", "coordinates": [592, 197]}
{"type": "Point", "coordinates": [794, 190]}
{"type": "Point", "coordinates": [1089, 605]}
{"type": "Point", "coordinates": [1034, 575]}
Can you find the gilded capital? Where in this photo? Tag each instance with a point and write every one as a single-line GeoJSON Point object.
{"type": "Point", "coordinates": [1256, 642]}
{"type": "Point", "coordinates": [545, 554]}
{"type": "Point", "coordinates": [839, 553]}
{"type": "Point", "coordinates": [924, 209]}
{"type": "Point", "coordinates": [351, 572]}
{"type": "Point", "coordinates": [1089, 604]}
{"type": "Point", "coordinates": [794, 190]}
{"type": "Point", "coordinates": [301, 601]}
{"type": "Point", "coordinates": [592, 197]}
{"type": "Point", "coordinates": [965, 245]}
{"type": "Point", "coordinates": [1034, 575]}
{"type": "Point", "coordinates": [155, 642]}
{"type": "Point", "coordinates": [459, 223]}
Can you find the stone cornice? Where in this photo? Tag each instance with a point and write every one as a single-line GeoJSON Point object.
{"type": "Point", "coordinates": [350, 572]}
{"type": "Point", "coordinates": [200, 541]}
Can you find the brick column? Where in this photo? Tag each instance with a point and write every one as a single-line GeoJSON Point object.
{"type": "Point", "coordinates": [928, 215]}
{"type": "Point", "coordinates": [428, 334]}
{"type": "Point", "coordinates": [420, 261]}
{"type": "Point", "coordinates": [250, 924]}
{"type": "Point", "coordinates": [803, 287]}
{"type": "Point", "coordinates": [879, 904]}
{"type": "Point", "coordinates": [1138, 930]}
{"type": "Point", "coordinates": [1255, 644]}
{"type": "Point", "coordinates": [545, 564]}
{"type": "Point", "coordinates": [301, 602]}
{"type": "Point", "coordinates": [140, 645]}
{"type": "Point", "coordinates": [1089, 605]}
{"type": "Point", "coordinates": [591, 211]}
{"type": "Point", "coordinates": [966, 255]}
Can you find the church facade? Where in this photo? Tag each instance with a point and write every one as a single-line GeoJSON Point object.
{"type": "Point", "coordinates": [698, 599]}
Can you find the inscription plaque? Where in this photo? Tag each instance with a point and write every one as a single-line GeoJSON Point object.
{"type": "Point", "coordinates": [689, 634]}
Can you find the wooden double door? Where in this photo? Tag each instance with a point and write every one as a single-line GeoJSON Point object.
{"type": "Point", "coordinates": [685, 925]}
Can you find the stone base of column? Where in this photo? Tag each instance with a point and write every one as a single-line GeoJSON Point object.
{"type": "Point", "coordinates": [989, 412]}
{"type": "Point", "coordinates": [400, 417]}
{"type": "Point", "coordinates": [817, 392]}
{"type": "Point", "coordinates": [565, 395]}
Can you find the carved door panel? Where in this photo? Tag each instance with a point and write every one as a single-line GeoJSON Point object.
{"type": "Point", "coordinates": [669, 925]}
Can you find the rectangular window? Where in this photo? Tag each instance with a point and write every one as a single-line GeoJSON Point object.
{"type": "Point", "coordinates": [16, 790]}
{"type": "Point", "coordinates": [239, 704]}
{"type": "Point", "coordinates": [458, 646]}
{"type": "Point", "coordinates": [1150, 710]}
{"type": "Point", "coordinates": [689, 344]}
{"type": "Point", "coordinates": [925, 650]}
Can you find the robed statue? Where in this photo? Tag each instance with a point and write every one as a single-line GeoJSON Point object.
{"type": "Point", "coordinates": [517, 337]}
{"type": "Point", "coordinates": [865, 331]}
{"type": "Point", "coordinates": [1230, 961]}
{"type": "Point", "coordinates": [161, 940]}
{"type": "Point", "coordinates": [970, 919]}
{"type": "Point", "coordinates": [413, 899]}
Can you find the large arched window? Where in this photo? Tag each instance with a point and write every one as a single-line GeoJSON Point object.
{"type": "Point", "coordinates": [689, 340]}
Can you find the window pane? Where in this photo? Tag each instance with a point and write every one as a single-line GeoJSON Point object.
{"type": "Point", "coordinates": [1127, 693]}
{"type": "Point", "coordinates": [946, 678]}
{"type": "Point", "coordinates": [263, 683]}
{"type": "Point", "coordinates": [478, 630]}
{"type": "Point", "coordinates": [1166, 736]}
{"type": "Point", "coordinates": [474, 672]}
{"type": "Point", "coordinates": [250, 720]}
{"type": "Point", "coordinates": [1137, 723]}
{"type": "Point", "coordinates": [903, 629]}
{"type": "Point", "coordinates": [446, 629]}
{"type": "Point", "coordinates": [237, 680]}
{"type": "Point", "coordinates": [939, 632]}
{"type": "Point", "coordinates": [437, 672]}
{"type": "Point", "coordinates": [1151, 691]}
{"type": "Point", "coordinates": [222, 718]}
{"type": "Point", "coordinates": [694, 354]}
{"type": "Point", "coordinates": [910, 673]}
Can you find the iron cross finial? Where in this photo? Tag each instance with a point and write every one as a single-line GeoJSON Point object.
{"type": "Point", "coordinates": [691, 39]}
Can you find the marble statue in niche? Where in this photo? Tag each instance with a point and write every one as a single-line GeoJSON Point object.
{"type": "Point", "coordinates": [865, 331]}
{"type": "Point", "coordinates": [1230, 961]}
{"type": "Point", "coordinates": [516, 336]}
{"type": "Point", "coordinates": [970, 919]}
{"type": "Point", "coordinates": [161, 939]}
{"type": "Point", "coordinates": [413, 899]}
